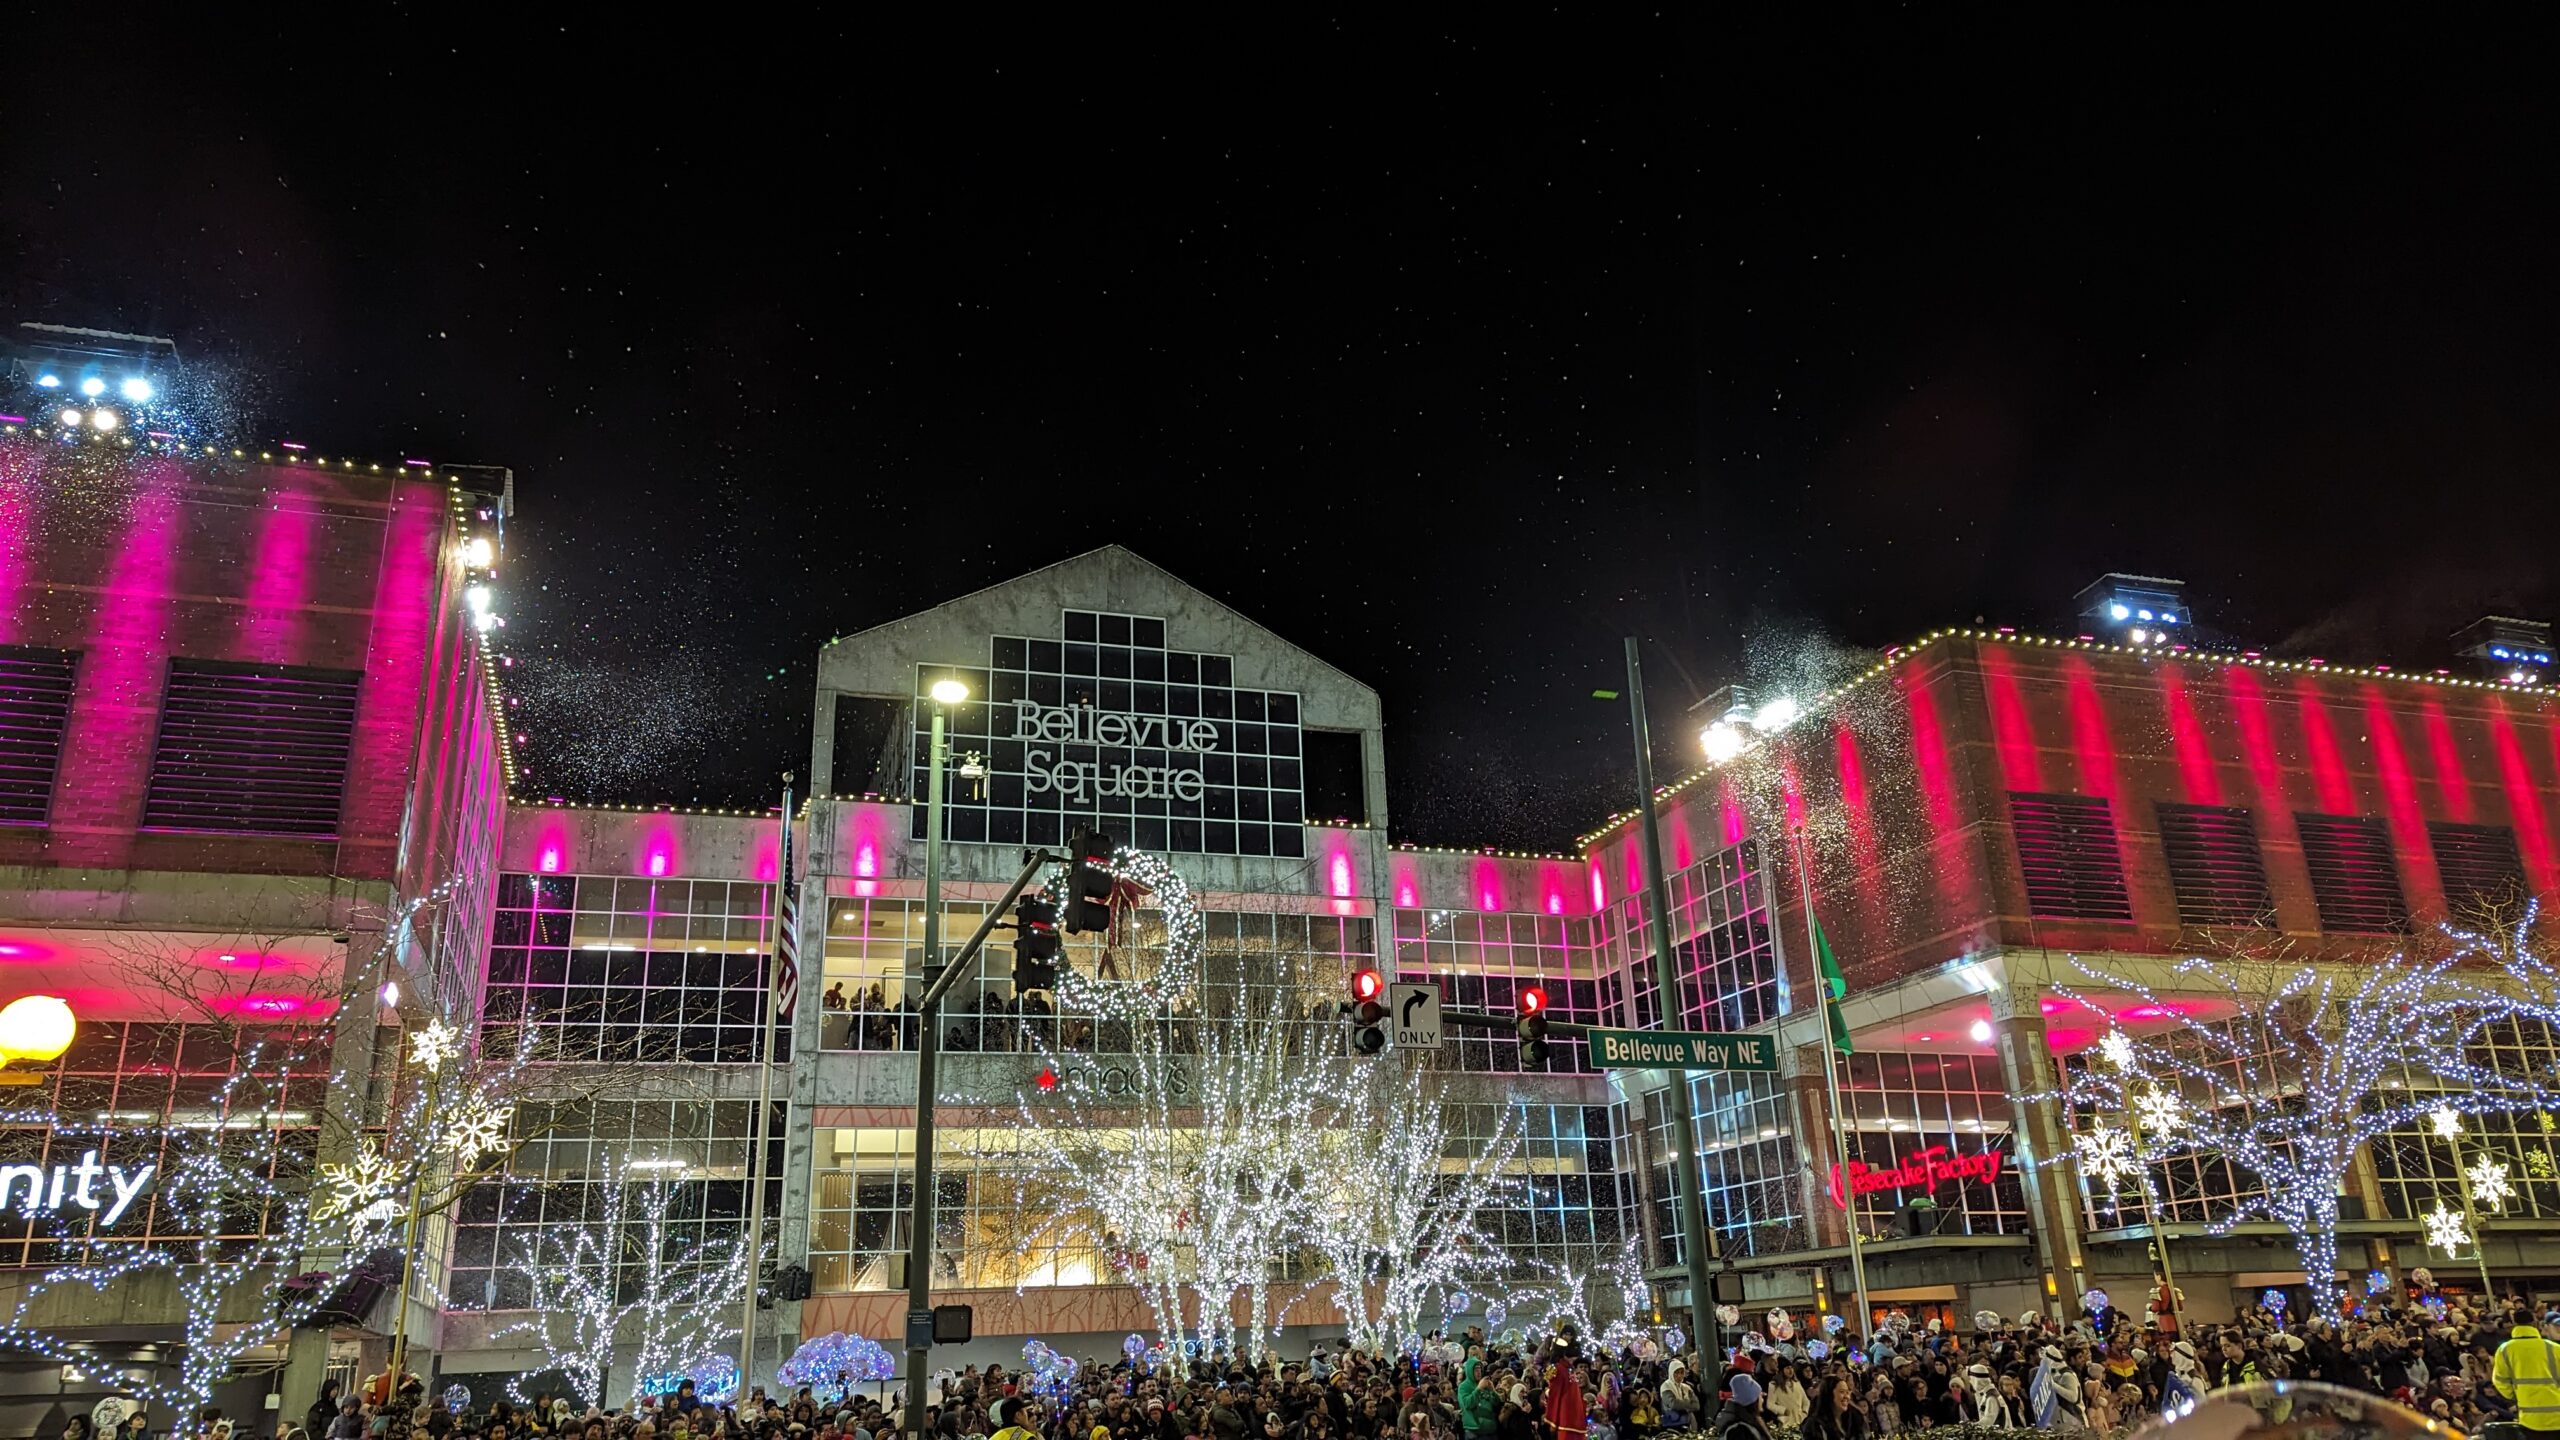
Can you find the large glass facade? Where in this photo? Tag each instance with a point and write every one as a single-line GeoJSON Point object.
{"type": "Point", "coordinates": [632, 970]}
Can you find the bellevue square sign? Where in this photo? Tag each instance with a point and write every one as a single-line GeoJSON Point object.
{"type": "Point", "coordinates": [1106, 725]}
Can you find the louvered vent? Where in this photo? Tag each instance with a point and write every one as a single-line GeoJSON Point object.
{"type": "Point", "coordinates": [252, 749]}
{"type": "Point", "coordinates": [2354, 879]}
{"type": "Point", "coordinates": [2214, 864]}
{"type": "Point", "coordinates": [2067, 850]}
{"type": "Point", "coordinates": [35, 704]}
{"type": "Point", "coordinates": [2480, 866]}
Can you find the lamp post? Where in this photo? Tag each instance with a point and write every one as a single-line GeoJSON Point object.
{"type": "Point", "coordinates": [1688, 1172]}
{"type": "Point", "coordinates": [2448, 1128]}
{"type": "Point", "coordinates": [945, 693]}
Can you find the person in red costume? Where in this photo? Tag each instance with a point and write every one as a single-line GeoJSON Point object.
{"type": "Point", "coordinates": [1565, 1416]}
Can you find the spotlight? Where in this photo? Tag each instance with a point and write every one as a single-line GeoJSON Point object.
{"type": "Point", "coordinates": [93, 387]}
{"type": "Point", "coordinates": [48, 381]}
{"type": "Point", "coordinates": [478, 553]}
{"type": "Point", "coordinates": [1777, 715]}
{"type": "Point", "coordinates": [104, 418]}
{"type": "Point", "coordinates": [136, 389]}
{"type": "Point", "coordinates": [72, 419]}
{"type": "Point", "coordinates": [2168, 617]}
{"type": "Point", "coordinates": [484, 622]}
{"type": "Point", "coordinates": [477, 597]}
{"type": "Point", "coordinates": [2120, 612]}
{"type": "Point", "coordinates": [1981, 1032]}
{"type": "Point", "coordinates": [1721, 742]}
{"type": "Point", "coordinates": [2145, 614]}
{"type": "Point", "coordinates": [2138, 636]}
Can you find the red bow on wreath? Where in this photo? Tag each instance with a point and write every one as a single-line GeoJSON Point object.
{"type": "Point", "coordinates": [1123, 901]}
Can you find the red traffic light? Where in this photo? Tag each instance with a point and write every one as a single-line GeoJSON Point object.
{"type": "Point", "coordinates": [1367, 985]}
{"type": "Point", "coordinates": [1533, 1000]}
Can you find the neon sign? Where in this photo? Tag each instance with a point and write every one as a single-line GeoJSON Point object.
{"type": "Point", "coordinates": [1925, 1168]}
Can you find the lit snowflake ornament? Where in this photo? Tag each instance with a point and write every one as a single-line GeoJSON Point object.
{"type": "Point", "coordinates": [2448, 1122]}
{"type": "Point", "coordinates": [477, 1127]}
{"type": "Point", "coordinates": [357, 1185]}
{"type": "Point", "coordinates": [2537, 1163]}
{"type": "Point", "coordinates": [433, 1045]}
{"type": "Point", "coordinates": [2489, 1183]}
{"type": "Point", "coordinates": [2106, 1154]}
{"type": "Point", "coordinates": [2445, 1230]}
{"type": "Point", "coordinates": [2117, 1049]}
{"type": "Point", "coordinates": [2160, 1111]}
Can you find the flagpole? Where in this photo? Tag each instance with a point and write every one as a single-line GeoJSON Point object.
{"type": "Point", "coordinates": [1831, 1085]}
{"type": "Point", "coordinates": [783, 913]}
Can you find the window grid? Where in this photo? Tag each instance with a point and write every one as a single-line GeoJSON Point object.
{"type": "Point", "coordinates": [630, 970]}
{"type": "Point", "coordinates": [1481, 962]}
{"type": "Point", "coordinates": [1721, 916]}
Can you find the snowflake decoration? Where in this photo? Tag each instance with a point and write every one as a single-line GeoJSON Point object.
{"type": "Point", "coordinates": [2117, 1049]}
{"type": "Point", "coordinates": [434, 1044]}
{"type": "Point", "coordinates": [2448, 1122]}
{"type": "Point", "coordinates": [477, 1127]}
{"type": "Point", "coordinates": [2445, 1230]}
{"type": "Point", "coordinates": [2489, 1184]}
{"type": "Point", "coordinates": [2160, 1111]}
{"type": "Point", "coordinates": [2106, 1154]}
{"type": "Point", "coordinates": [2543, 1119]}
{"type": "Point", "coordinates": [357, 1185]}
{"type": "Point", "coordinates": [2537, 1163]}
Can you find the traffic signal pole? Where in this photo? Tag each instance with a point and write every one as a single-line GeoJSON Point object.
{"type": "Point", "coordinates": [938, 982]}
{"type": "Point", "coordinates": [1687, 1174]}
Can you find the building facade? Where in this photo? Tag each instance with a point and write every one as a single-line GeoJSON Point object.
{"type": "Point", "coordinates": [256, 698]}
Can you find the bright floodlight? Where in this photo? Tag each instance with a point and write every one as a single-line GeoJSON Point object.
{"type": "Point", "coordinates": [2120, 612]}
{"type": "Point", "coordinates": [136, 389]}
{"type": "Point", "coordinates": [1981, 1032]}
{"type": "Point", "coordinates": [949, 692]}
{"type": "Point", "coordinates": [48, 381]}
{"type": "Point", "coordinates": [1777, 715]}
{"type": "Point", "coordinates": [484, 622]}
{"type": "Point", "coordinates": [93, 386]}
{"type": "Point", "coordinates": [104, 418]}
{"type": "Point", "coordinates": [36, 1027]}
{"type": "Point", "coordinates": [72, 419]}
{"type": "Point", "coordinates": [1721, 742]}
{"type": "Point", "coordinates": [2139, 636]}
{"type": "Point", "coordinates": [478, 598]}
{"type": "Point", "coordinates": [478, 553]}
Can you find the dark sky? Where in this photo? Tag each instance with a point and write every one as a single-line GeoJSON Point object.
{"type": "Point", "coordinates": [1452, 354]}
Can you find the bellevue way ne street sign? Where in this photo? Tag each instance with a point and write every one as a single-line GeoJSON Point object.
{"type": "Point", "coordinates": [1681, 1050]}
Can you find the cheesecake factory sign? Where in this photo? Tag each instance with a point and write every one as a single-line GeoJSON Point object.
{"type": "Point", "coordinates": [1106, 725]}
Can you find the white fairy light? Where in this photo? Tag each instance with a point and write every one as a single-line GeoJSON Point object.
{"type": "Point", "coordinates": [2311, 1065]}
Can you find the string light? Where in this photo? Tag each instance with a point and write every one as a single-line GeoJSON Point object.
{"type": "Point", "coordinates": [2306, 1067]}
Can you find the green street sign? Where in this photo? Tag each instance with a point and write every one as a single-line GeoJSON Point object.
{"type": "Point", "coordinates": [1681, 1050]}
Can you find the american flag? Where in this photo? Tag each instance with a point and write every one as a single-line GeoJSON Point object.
{"type": "Point", "coordinates": [786, 931]}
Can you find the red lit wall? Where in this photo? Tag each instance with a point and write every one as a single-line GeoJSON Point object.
{"type": "Point", "coordinates": [1897, 792]}
{"type": "Point", "coordinates": [133, 561]}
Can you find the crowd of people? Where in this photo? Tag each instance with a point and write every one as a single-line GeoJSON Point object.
{"type": "Point", "coordinates": [2462, 1366]}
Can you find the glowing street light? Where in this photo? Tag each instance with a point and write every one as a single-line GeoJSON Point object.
{"type": "Point", "coordinates": [949, 692]}
{"type": "Point", "coordinates": [35, 1027]}
{"type": "Point", "coordinates": [1722, 741]}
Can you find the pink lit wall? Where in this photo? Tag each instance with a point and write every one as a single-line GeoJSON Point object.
{"type": "Point", "coordinates": [136, 561]}
{"type": "Point", "coordinates": [640, 844]}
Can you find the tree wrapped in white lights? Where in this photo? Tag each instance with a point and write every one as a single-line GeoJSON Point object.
{"type": "Point", "coordinates": [1402, 1219]}
{"type": "Point", "coordinates": [1569, 1295]}
{"type": "Point", "coordinates": [1201, 1172]}
{"type": "Point", "coordinates": [626, 1277]}
{"type": "Point", "coordinates": [2286, 1070]}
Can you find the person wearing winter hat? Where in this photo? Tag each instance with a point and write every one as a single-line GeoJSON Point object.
{"type": "Point", "coordinates": [1740, 1419]}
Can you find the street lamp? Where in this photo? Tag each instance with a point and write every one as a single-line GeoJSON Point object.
{"type": "Point", "coordinates": [35, 1027]}
{"type": "Point", "coordinates": [946, 693]}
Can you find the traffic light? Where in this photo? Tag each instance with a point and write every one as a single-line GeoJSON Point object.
{"type": "Point", "coordinates": [1532, 1027]}
{"type": "Point", "coordinates": [1035, 945]}
{"type": "Point", "coordinates": [1368, 1012]}
{"type": "Point", "coordinates": [1089, 883]}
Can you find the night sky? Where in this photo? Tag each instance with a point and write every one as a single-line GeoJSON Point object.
{"type": "Point", "coordinates": [1453, 357]}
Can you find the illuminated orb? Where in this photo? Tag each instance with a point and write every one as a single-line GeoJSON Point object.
{"type": "Point", "coordinates": [104, 418]}
{"type": "Point", "coordinates": [93, 387]}
{"type": "Point", "coordinates": [137, 389]}
{"type": "Point", "coordinates": [36, 1027]}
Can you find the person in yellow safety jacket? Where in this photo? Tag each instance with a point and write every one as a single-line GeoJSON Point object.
{"type": "Point", "coordinates": [2527, 1371]}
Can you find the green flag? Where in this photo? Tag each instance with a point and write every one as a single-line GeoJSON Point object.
{"type": "Point", "coordinates": [1835, 986]}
